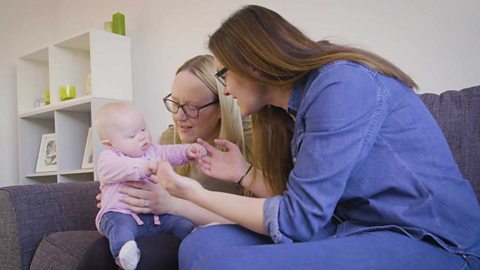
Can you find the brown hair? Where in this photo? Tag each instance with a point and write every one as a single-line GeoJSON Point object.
{"type": "Point", "coordinates": [260, 45]}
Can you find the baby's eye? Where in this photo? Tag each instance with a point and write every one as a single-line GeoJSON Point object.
{"type": "Point", "coordinates": [131, 136]}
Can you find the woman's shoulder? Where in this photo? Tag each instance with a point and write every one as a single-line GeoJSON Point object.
{"type": "Point", "coordinates": [343, 69]}
{"type": "Point", "coordinates": [344, 74]}
{"type": "Point", "coordinates": [341, 84]}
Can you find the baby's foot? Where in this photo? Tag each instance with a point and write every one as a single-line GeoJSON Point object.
{"type": "Point", "coordinates": [129, 256]}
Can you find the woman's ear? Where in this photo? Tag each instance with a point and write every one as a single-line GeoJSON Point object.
{"type": "Point", "coordinates": [257, 72]}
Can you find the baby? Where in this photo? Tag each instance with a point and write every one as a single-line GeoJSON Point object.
{"type": "Point", "coordinates": [130, 155]}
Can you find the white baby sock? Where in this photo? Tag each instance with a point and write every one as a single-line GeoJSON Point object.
{"type": "Point", "coordinates": [129, 255]}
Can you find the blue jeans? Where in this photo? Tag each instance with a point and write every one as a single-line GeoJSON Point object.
{"type": "Point", "coordinates": [233, 247]}
{"type": "Point", "coordinates": [120, 228]}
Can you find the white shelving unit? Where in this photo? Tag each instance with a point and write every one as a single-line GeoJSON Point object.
{"type": "Point", "coordinates": [107, 57]}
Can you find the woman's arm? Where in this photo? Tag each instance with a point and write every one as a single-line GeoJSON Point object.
{"type": "Point", "coordinates": [197, 214]}
{"type": "Point", "coordinates": [219, 165]}
{"type": "Point", "coordinates": [245, 211]}
{"type": "Point", "coordinates": [161, 202]}
{"type": "Point", "coordinates": [254, 182]}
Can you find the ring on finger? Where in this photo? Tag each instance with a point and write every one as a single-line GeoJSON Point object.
{"type": "Point", "coordinates": [146, 203]}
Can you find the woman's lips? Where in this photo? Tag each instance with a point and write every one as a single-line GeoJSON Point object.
{"type": "Point", "coordinates": [184, 128]}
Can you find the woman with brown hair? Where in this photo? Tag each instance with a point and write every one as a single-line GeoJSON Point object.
{"type": "Point", "coordinates": [373, 185]}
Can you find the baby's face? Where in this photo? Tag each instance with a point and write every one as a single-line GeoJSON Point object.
{"type": "Point", "coordinates": [130, 134]}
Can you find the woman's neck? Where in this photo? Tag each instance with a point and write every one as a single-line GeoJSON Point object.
{"type": "Point", "coordinates": [280, 96]}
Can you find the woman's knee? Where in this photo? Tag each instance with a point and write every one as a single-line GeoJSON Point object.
{"type": "Point", "coordinates": [212, 239]}
{"type": "Point", "coordinates": [201, 241]}
{"type": "Point", "coordinates": [192, 247]}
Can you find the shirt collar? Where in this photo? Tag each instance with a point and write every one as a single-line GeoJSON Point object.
{"type": "Point", "coordinates": [296, 97]}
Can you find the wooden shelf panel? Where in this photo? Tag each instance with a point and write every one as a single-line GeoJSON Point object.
{"type": "Point", "coordinates": [102, 56]}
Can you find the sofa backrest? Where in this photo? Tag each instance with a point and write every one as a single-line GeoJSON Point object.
{"type": "Point", "coordinates": [458, 114]}
{"type": "Point", "coordinates": [30, 212]}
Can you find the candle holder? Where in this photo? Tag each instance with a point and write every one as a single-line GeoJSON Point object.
{"type": "Point", "coordinates": [46, 97]}
{"type": "Point", "coordinates": [118, 23]}
{"type": "Point", "coordinates": [67, 92]}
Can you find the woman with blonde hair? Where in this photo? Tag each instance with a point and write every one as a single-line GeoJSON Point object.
{"type": "Point", "coordinates": [374, 184]}
{"type": "Point", "coordinates": [220, 117]}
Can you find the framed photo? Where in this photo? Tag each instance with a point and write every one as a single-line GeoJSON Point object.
{"type": "Point", "coordinates": [47, 154]}
{"type": "Point", "coordinates": [88, 152]}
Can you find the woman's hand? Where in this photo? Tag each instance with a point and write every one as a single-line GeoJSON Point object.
{"type": "Point", "coordinates": [147, 197]}
{"type": "Point", "coordinates": [178, 186]}
{"type": "Point", "coordinates": [229, 165]}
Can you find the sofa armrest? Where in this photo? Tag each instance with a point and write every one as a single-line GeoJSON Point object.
{"type": "Point", "coordinates": [29, 212]}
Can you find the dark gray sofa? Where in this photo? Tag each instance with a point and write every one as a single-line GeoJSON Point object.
{"type": "Point", "coordinates": [50, 226]}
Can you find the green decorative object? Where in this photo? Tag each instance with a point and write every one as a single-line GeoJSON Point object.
{"type": "Point", "coordinates": [67, 92]}
{"type": "Point", "coordinates": [118, 23]}
{"type": "Point", "coordinates": [46, 97]}
{"type": "Point", "coordinates": [107, 26]}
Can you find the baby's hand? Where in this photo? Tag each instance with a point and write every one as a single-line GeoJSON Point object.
{"type": "Point", "coordinates": [152, 166]}
{"type": "Point", "coordinates": [195, 150]}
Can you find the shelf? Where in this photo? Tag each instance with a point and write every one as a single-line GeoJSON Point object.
{"type": "Point", "coordinates": [32, 78]}
{"type": "Point", "coordinates": [95, 58]}
{"type": "Point", "coordinates": [79, 171]}
{"type": "Point", "coordinates": [102, 56]}
{"type": "Point", "coordinates": [80, 104]}
{"type": "Point", "coordinates": [41, 174]}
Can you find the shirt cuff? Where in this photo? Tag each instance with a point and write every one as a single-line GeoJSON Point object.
{"type": "Point", "coordinates": [270, 211]}
{"type": "Point", "coordinates": [141, 168]}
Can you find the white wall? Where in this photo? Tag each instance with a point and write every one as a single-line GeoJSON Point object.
{"type": "Point", "coordinates": [434, 41]}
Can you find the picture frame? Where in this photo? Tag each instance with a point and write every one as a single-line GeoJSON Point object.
{"type": "Point", "coordinates": [47, 153]}
{"type": "Point", "coordinates": [87, 162]}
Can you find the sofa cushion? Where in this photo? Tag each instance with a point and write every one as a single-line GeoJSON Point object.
{"type": "Point", "coordinates": [156, 252]}
{"type": "Point", "coordinates": [90, 250]}
{"type": "Point", "coordinates": [458, 114]}
{"type": "Point", "coordinates": [63, 249]}
{"type": "Point", "coordinates": [10, 250]}
{"type": "Point", "coordinates": [29, 212]}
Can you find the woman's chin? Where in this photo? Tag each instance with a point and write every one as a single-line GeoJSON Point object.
{"type": "Point", "coordinates": [187, 138]}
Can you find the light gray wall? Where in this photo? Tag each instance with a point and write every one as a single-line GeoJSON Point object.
{"type": "Point", "coordinates": [436, 42]}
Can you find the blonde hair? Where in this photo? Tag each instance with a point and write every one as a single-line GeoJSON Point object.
{"type": "Point", "coordinates": [260, 45]}
{"type": "Point", "coordinates": [231, 127]}
{"type": "Point", "coordinates": [105, 117]}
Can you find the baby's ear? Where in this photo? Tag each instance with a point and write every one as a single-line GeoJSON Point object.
{"type": "Point", "coordinates": [107, 144]}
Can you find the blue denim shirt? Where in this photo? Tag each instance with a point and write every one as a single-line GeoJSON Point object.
{"type": "Point", "coordinates": [369, 156]}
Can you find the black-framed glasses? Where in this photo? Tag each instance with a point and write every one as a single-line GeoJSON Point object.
{"type": "Point", "coordinates": [190, 110]}
{"type": "Point", "coordinates": [220, 75]}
